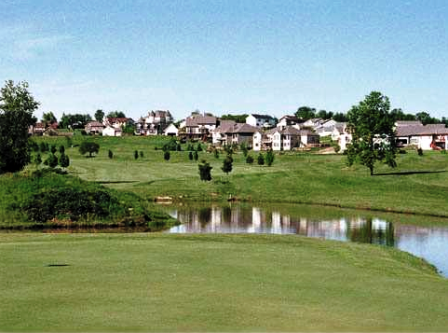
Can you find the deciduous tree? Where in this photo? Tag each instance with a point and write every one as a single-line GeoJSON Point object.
{"type": "Point", "coordinates": [89, 147]}
{"type": "Point", "coordinates": [16, 115]}
{"type": "Point", "coordinates": [372, 128]}
{"type": "Point", "coordinates": [99, 115]}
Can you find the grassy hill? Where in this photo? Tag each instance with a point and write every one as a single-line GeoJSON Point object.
{"type": "Point", "coordinates": [419, 184]}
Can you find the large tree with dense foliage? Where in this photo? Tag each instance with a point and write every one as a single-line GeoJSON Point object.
{"type": "Point", "coordinates": [373, 135]}
{"type": "Point", "coordinates": [116, 114]}
{"type": "Point", "coordinates": [305, 112]}
{"type": "Point", "coordinates": [74, 120]}
{"type": "Point", "coordinates": [16, 115]}
{"type": "Point", "coordinates": [99, 115]}
{"type": "Point", "coordinates": [238, 118]}
{"type": "Point", "coordinates": [89, 147]}
{"type": "Point", "coordinates": [48, 118]}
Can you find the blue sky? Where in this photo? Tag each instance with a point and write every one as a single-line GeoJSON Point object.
{"type": "Point", "coordinates": [229, 56]}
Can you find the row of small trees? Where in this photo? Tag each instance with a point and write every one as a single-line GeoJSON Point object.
{"type": "Point", "coordinates": [53, 161]}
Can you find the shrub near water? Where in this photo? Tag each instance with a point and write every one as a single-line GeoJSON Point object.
{"type": "Point", "coordinates": [47, 198]}
{"type": "Point", "coordinates": [70, 204]}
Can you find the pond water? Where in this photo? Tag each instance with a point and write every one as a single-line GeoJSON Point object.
{"type": "Point", "coordinates": [422, 239]}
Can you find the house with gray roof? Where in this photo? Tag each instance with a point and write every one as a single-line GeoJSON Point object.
{"type": "Point", "coordinates": [199, 126]}
{"type": "Point", "coordinates": [427, 137]}
{"type": "Point", "coordinates": [229, 132]}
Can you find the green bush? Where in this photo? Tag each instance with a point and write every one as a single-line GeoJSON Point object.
{"type": "Point", "coordinates": [67, 203]}
{"type": "Point", "coordinates": [47, 197]}
{"type": "Point", "coordinates": [260, 159]}
{"type": "Point", "coordinates": [205, 171]}
{"type": "Point", "coordinates": [51, 161]}
{"type": "Point", "coordinates": [89, 147]}
{"type": "Point", "coordinates": [38, 159]}
{"type": "Point", "coordinates": [166, 156]}
{"type": "Point", "coordinates": [249, 159]}
{"type": "Point", "coordinates": [227, 164]}
{"type": "Point", "coordinates": [270, 157]}
{"type": "Point", "coordinates": [43, 147]}
{"type": "Point", "coordinates": [34, 146]}
{"type": "Point", "coordinates": [64, 161]}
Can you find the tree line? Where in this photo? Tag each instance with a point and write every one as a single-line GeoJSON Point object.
{"type": "Point", "coordinates": [306, 113]}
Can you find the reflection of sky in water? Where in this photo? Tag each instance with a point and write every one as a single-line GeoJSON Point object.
{"type": "Point", "coordinates": [429, 243]}
{"type": "Point", "coordinates": [433, 246]}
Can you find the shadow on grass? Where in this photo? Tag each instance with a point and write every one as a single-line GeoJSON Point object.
{"type": "Point", "coordinates": [406, 173]}
{"type": "Point", "coordinates": [116, 182]}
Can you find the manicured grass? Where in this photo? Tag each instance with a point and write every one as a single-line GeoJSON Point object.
{"type": "Point", "coordinates": [419, 184]}
{"type": "Point", "coordinates": [160, 282]}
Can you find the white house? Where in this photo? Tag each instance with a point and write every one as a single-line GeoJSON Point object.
{"type": "Point", "coordinates": [118, 122]}
{"type": "Point", "coordinates": [154, 123]}
{"type": "Point", "coordinates": [286, 121]}
{"type": "Point", "coordinates": [171, 130]}
{"type": "Point", "coordinates": [313, 123]}
{"type": "Point", "coordinates": [259, 120]}
{"type": "Point", "coordinates": [341, 135]}
{"type": "Point", "coordinates": [326, 128]}
{"type": "Point", "coordinates": [112, 131]}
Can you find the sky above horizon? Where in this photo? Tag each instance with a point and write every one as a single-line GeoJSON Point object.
{"type": "Point", "coordinates": [234, 56]}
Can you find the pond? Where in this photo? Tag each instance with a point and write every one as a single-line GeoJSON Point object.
{"type": "Point", "coordinates": [423, 237]}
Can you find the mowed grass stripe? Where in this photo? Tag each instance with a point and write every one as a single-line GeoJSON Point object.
{"type": "Point", "coordinates": [158, 282]}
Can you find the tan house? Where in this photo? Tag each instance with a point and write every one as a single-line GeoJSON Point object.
{"type": "Point", "coordinates": [94, 127]}
{"type": "Point", "coordinates": [288, 138]}
{"type": "Point", "coordinates": [200, 126]}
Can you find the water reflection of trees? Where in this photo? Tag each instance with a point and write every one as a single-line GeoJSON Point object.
{"type": "Point", "coordinates": [364, 232]}
{"type": "Point", "coordinates": [259, 220]}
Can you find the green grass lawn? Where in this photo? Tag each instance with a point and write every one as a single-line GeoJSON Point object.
{"type": "Point", "coordinates": [160, 282]}
{"type": "Point", "coordinates": [418, 185]}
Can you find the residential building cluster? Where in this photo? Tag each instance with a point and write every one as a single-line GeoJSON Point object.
{"type": "Point", "coordinates": [259, 132]}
